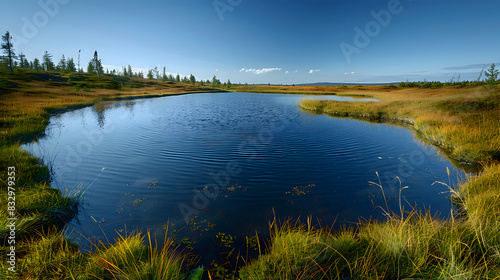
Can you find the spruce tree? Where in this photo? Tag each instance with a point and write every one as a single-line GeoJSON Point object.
{"type": "Point", "coordinates": [61, 66]}
{"type": "Point", "coordinates": [156, 73]}
{"type": "Point", "coordinates": [8, 49]}
{"type": "Point", "coordinates": [47, 63]}
{"type": "Point", "coordinates": [36, 65]}
{"type": "Point", "coordinates": [90, 68]}
{"type": "Point", "coordinates": [23, 62]}
{"type": "Point", "coordinates": [97, 65]}
{"type": "Point", "coordinates": [150, 74]}
{"type": "Point", "coordinates": [70, 65]}
{"type": "Point", "coordinates": [491, 76]}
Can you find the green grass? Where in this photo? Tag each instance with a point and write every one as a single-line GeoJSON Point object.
{"type": "Point", "coordinates": [440, 116]}
{"type": "Point", "coordinates": [42, 252]}
{"type": "Point", "coordinates": [51, 256]}
{"type": "Point", "coordinates": [416, 246]}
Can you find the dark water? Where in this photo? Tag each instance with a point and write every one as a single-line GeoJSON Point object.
{"type": "Point", "coordinates": [230, 163]}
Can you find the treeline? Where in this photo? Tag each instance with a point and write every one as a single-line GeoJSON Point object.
{"type": "Point", "coordinates": [11, 61]}
{"type": "Point", "coordinates": [437, 84]}
{"type": "Point", "coordinates": [490, 80]}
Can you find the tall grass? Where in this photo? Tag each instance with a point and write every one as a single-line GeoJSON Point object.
{"type": "Point", "coordinates": [53, 257]}
{"type": "Point", "coordinates": [463, 121]}
{"type": "Point", "coordinates": [42, 252]}
{"type": "Point", "coordinates": [416, 245]}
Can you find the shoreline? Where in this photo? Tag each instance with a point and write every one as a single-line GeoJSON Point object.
{"type": "Point", "coordinates": [403, 122]}
{"type": "Point", "coordinates": [355, 235]}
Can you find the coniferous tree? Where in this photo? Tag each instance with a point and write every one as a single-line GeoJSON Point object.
{"type": "Point", "coordinates": [491, 76]}
{"type": "Point", "coordinates": [97, 65]}
{"type": "Point", "coordinates": [36, 65]}
{"type": "Point", "coordinates": [70, 65]}
{"type": "Point", "coordinates": [192, 79]}
{"type": "Point", "coordinates": [8, 49]}
{"type": "Point", "coordinates": [150, 74]}
{"type": "Point", "coordinates": [61, 66]}
{"type": "Point", "coordinates": [47, 63]}
{"type": "Point", "coordinates": [215, 81]}
{"type": "Point", "coordinates": [178, 78]}
{"type": "Point", "coordinates": [23, 62]}
{"type": "Point", "coordinates": [79, 69]}
{"type": "Point", "coordinates": [164, 76]}
{"type": "Point", "coordinates": [90, 68]}
{"type": "Point", "coordinates": [156, 73]}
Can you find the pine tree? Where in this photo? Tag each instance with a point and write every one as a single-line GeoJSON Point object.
{"type": "Point", "coordinates": [150, 74]}
{"type": "Point", "coordinates": [215, 81]}
{"type": "Point", "coordinates": [70, 65]}
{"type": "Point", "coordinates": [47, 63]}
{"type": "Point", "coordinates": [23, 62]}
{"type": "Point", "coordinates": [8, 49]}
{"type": "Point", "coordinates": [36, 65]}
{"type": "Point", "coordinates": [178, 78]}
{"type": "Point", "coordinates": [192, 79]}
{"type": "Point", "coordinates": [97, 65]}
{"type": "Point", "coordinates": [90, 68]}
{"type": "Point", "coordinates": [492, 76]}
{"type": "Point", "coordinates": [61, 66]}
{"type": "Point", "coordinates": [156, 73]}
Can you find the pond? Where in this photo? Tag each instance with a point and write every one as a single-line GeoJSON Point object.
{"type": "Point", "coordinates": [209, 163]}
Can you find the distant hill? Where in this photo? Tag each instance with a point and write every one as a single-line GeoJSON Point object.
{"type": "Point", "coordinates": [347, 84]}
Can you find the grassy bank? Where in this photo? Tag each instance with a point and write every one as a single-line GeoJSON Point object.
{"type": "Point", "coordinates": [311, 90]}
{"type": "Point", "coordinates": [463, 120]}
{"type": "Point", "coordinates": [26, 100]}
{"type": "Point", "coordinates": [441, 116]}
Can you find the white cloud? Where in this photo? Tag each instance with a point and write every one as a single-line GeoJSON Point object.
{"type": "Point", "coordinates": [217, 70]}
{"type": "Point", "coordinates": [260, 71]}
{"type": "Point", "coordinates": [347, 73]}
{"type": "Point", "coordinates": [314, 70]}
{"type": "Point", "coordinates": [287, 72]}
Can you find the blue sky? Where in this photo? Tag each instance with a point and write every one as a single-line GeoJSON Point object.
{"type": "Point", "coordinates": [267, 41]}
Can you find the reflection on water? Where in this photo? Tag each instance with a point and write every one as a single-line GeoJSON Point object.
{"type": "Point", "coordinates": [217, 167]}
